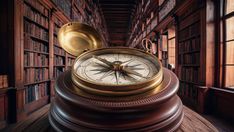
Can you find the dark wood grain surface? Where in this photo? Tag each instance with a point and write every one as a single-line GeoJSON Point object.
{"type": "Point", "coordinates": [38, 122]}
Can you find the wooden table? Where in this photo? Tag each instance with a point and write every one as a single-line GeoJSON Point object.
{"type": "Point", "coordinates": [38, 122]}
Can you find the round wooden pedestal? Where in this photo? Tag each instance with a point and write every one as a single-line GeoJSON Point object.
{"type": "Point", "coordinates": [156, 110]}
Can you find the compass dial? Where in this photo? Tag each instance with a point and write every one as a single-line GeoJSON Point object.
{"type": "Point", "coordinates": [116, 68]}
{"type": "Point", "coordinates": [123, 69]}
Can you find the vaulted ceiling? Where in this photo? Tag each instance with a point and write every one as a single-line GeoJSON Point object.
{"type": "Point", "coordinates": [118, 14]}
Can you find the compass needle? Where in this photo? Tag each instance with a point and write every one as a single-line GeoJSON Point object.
{"type": "Point", "coordinates": [100, 65]}
{"type": "Point", "coordinates": [117, 77]}
{"type": "Point", "coordinates": [130, 78]}
{"type": "Point", "coordinates": [134, 65]}
{"type": "Point", "coordinates": [108, 63]}
{"type": "Point", "coordinates": [127, 62]}
{"type": "Point", "coordinates": [133, 72]}
{"type": "Point", "coordinates": [106, 75]}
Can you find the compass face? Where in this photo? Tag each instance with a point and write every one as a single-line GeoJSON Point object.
{"type": "Point", "coordinates": [119, 68]}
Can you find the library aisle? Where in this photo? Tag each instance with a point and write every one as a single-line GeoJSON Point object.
{"type": "Point", "coordinates": [170, 62]}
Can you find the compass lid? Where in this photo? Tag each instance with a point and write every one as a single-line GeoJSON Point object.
{"type": "Point", "coordinates": [76, 38]}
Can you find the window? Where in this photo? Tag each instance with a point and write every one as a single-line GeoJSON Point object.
{"type": "Point", "coordinates": [171, 47]}
{"type": "Point", "coordinates": [227, 43]}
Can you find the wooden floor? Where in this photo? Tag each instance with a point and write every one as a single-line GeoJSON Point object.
{"type": "Point", "coordinates": [38, 122]}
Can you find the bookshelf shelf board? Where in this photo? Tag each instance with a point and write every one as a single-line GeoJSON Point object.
{"type": "Point", "coordinates": [59, 65]}
{"type": "Point", "coordinates": [59, 55]}
{"type": "Point", "coordinates": [189, 82]}
{"type": "Point", "coordinates": [72, 57]}
{"type": "Point", "coordinates": [42, 98]}
{"type": "Point", "coordinates": [36, 38]}
{"type": "Point", "coordinates": [45, 53]}
{"type": "Point", "coordinates": [36, 66]}
{"type": "Point", "coordinates": [190, 65]}
{"type": "Point", "coordinates": [34, 105]}
{"type": "Point", "coordinates": [190, 52]}
{"type": "Point", "coordinates": [36, 82]}
{"type": "Point", "coordinates": [35, 9]}
{"type": "Point", "coordinates": [4, 90]}
{"type": "Point", "coordinates": [57, 45]}
{"type": "Point", "coordinates": [41, 26]}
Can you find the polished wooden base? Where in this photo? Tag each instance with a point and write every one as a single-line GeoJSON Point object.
{"type": "Point", "coordinates": [75, 110]}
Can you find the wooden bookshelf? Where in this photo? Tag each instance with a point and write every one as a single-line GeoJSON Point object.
{"type": "Point", "coordinates": [193, 38]}
{"type": "Point", "coordinates": [36, 53]}
{"type": "Point", "coordinates": [59, 54]}
{"type": "Point", "coordinates": [33, 56]}
{"type": "Point", "coordinates": [189, 43]}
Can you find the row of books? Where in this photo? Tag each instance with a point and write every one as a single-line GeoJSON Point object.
{"type": "Point", "coordinates": [3, 81]}
{"type": "Point", "coordinates": [166, 9]}
{"type": "Point", "coordinates": [77, 16]}
{"type": "Point", "coordinates": [32, 75]}
{"type": "Point", "coordinates": [35, 59]}
{"type": "Point", "coordinates": [189, 91]}
{"type": "Point", "coordinates": [56, 28]}
{"type": "Point", "coordinates": [59, 51]}
{"type": "Point", "coordinates": [189, 45]}
{"type": "Point", "coordinates": [35, 45]}
{"type": "Point", "coordinates": [70, 61]}
{"type": "Point", "coordinates": [58, 22]}
{"type": "Point", "coordinates": [193, 59]}
{"type": "Point", "coordinates": [59, 60]}
{"type": "Point", "coordinates": [35, 31]}
{"type": "Point", "coordinates": [65, 5]}
{"type": "Point", "coordinates": [55, 41]}
{"type": "Point", "coordinates": [189, 74]}
{"type": "Point", "coordinates": [35, 16]}
{"type": "Point", "coordinates": [190, 31]}
{"type": "Point", "coordinates": [58, 71]}
{"type": "Point", "coordinates": [37, 5]}
{"type": "Point", "coordinates": [36, 92]}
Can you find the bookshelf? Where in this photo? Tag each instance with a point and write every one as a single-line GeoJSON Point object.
{"type": "Point", "coordinates": [33, 56]}
{"type": "Point", "coordinates": [182, 26]}
{"type": "Point", "coordinates": [64, 5]}
{"type": "Point", "coordinates": [189, 43]}
{"type": "Point", "coordinates": [59, 53]}
{"type": "Point", "coordinates": [36, 53]}
{"type": "Point", "coordinates": [70, 60]}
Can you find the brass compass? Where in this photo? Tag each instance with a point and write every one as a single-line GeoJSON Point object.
{"type": "Point", "coordinates": [108, 71]}
{"type": "Point", "coordinates": [112, 89]}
